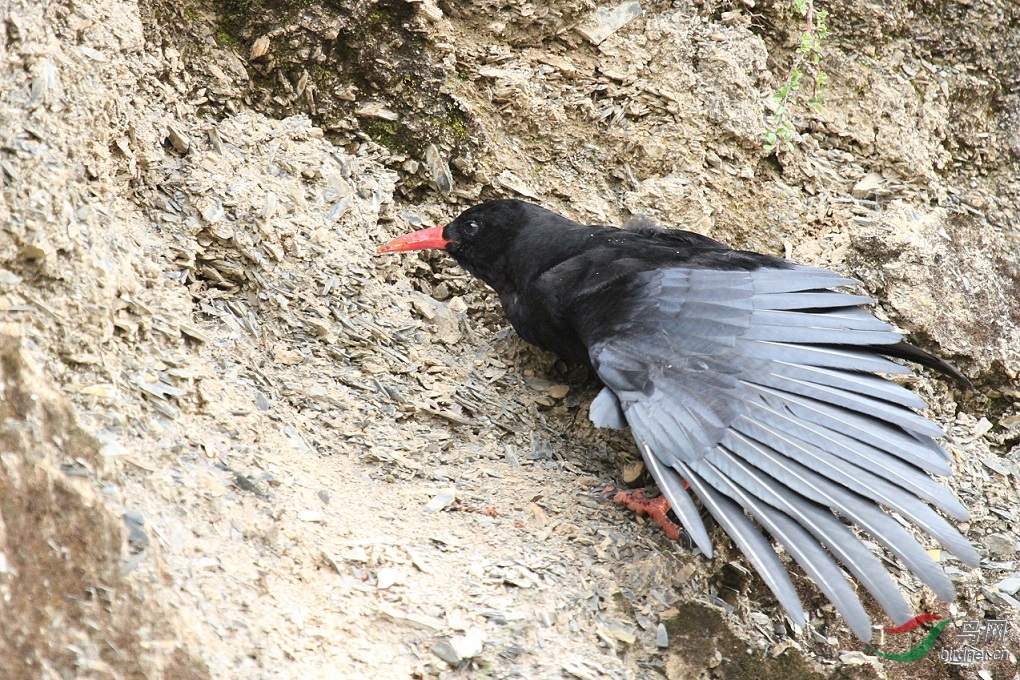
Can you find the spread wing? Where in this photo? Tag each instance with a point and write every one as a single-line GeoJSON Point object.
{"type": "Point", "coordinates": [757, 388]}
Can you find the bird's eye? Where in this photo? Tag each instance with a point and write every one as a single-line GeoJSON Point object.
{"type": "Point", "coordinates": [470, 229]}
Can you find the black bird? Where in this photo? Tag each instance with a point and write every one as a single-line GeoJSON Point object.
{"type": "Point", "coordinates": [744, 375]}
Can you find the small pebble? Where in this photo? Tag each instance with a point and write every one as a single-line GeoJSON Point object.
{"type": "Point", "coordinates": [1001, 546]}
{"type": "Point", "coordinates": [261, 402]}
{"type": "Point", "coordinates": [137, 536]}
{"type": "Point", "coordinates": [179, 140]}
{"type": "Point", "coordinates": [469, 645]}
{"type": "Point", "coordinates": [207, 563]}
{"type": "Point", "coordinates": [445, 651]}
{"type": "Point", "coordinates": [441, 500]}
{"type": "Point", "coordinates": [386, 577]}
{"type": "Point", "coordinates": [259, 47]}
{"type": "Point", "coordinates": [632, 471]}
{"type": "Point", "coordinates": [558, 391]}
{"type": "Point", "coordinates": [310, 516]}
{"type": "Point", "coordinates": [439, 170]}
{"type": "Point", "coordinates": [661, 637]}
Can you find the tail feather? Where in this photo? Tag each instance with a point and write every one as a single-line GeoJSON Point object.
{"type": "Point", "coordinates": [904, 350]}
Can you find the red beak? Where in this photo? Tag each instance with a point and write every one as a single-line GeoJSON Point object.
{"type": "Point", "coordinates": [418, 240]}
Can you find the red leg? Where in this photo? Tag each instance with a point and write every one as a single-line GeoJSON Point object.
{"type": "Point", "coordinates": [656, 508]}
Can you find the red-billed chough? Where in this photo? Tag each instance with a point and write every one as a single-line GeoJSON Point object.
{"type": "Point", "coordinates": [744, 375]}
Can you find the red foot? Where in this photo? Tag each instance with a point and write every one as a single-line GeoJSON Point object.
{"type": "Point", "coordinates": [656, 508]}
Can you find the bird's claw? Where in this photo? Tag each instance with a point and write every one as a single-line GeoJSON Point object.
{"type": "Point", "coordinates": [656, 508]}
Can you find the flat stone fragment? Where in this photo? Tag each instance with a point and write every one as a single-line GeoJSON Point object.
{"type": "Point", "coordinates": [469, 645]}
{"type": "Point", "coordinates": [441, 501]}
{"type": "Point", "coordinates": [445, 651]}
{"type": "Point", "coordinates": [309, 516]}
{"type": "Point", "coordinates": [868, 185]}
{"type": "Point", "coordinates": [179, 140]}
{"type": "Point", "coordinates": [607, 21]}
{"type": "Point", "coordinates": [439, 170]}
{"type": "Point", "coordinates": [378, 111]}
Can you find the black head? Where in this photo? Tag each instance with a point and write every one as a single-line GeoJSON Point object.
{"type": "Point", "coordinates": [482, 239]}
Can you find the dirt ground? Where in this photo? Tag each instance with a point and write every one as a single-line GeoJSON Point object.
{"type": "Point", "coordinates": [239, 444]}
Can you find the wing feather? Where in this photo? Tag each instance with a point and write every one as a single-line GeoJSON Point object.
{"type": "Point", "coordinates": [860, 383]}
{"type": "Point", "coordinates": [759, 389]}
{"type": "Point", "coordinates": [825, 356]}
{"type": "Point", "coordinates": [815, 487]}
{"type": "Point", "coordinates": [835, 536]}
{"type": "Point", "coordinates": [680, 501]}
{"type": "Point", "coordinates": [862, 482]}
{"type": "Point", "coordinates": [805, 550]}
{"type": "Point", "coordinates": [865, 457]}
{"type": "Point", "coordinates": [750, 541]}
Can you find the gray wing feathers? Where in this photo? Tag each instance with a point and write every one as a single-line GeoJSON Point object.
{"type": "Point", "coordinates": [846, 399]}
{"type": "Point", "coordinates": [862, 482]}
{"type": "Point", "coordinates": [863, 384]}
{"type": "Point", "coordinates": [831, 533]}
{"type": "Point", "coordinates": [807, 300]}
{"type": "Point", "coordinates": [864, 457]}
{"type": "Point", "coordinates": [868, 516]}
{"type": "Point", "coordinates": [765, 281]}
{"type": "Point", "coordinates": [824, 356]}
{"type": "Point", "coordinates": [750, 541]}
{"type": "Point", "coordinates": [758, 389]}
{"type": "Point", "coordinates": [679, 500]}
{"type": "Point", "coordinates": [605, 410]}
{"type": "Point", "coordinates": [807, 552]}
{"type": "Point", "coordinates": [863, 428]}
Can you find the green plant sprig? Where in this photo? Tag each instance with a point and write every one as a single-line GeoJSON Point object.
{"type": "Point", "coordinates": [805, 66]}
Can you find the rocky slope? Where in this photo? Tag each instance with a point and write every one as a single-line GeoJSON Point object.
{"type": "Point", "coordinates": [238, 444]}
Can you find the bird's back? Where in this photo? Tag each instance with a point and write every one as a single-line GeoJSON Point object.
{"type": "Point", "coordinates": [574, 280]}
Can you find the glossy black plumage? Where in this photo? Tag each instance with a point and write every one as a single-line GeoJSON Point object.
{"type": "Point", "coordinates": [748, 377]}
